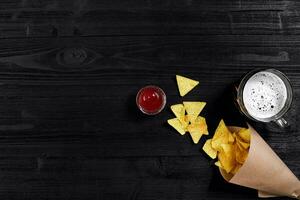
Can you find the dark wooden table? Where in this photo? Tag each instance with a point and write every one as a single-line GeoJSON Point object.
{"type": "Point", "coordinates": [69, 73]}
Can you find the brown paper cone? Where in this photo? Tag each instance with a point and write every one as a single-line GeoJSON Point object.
{"type": "Point", "coordinates": [264, 171]}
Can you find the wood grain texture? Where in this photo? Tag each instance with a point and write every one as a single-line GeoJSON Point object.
{"type": "Point", "coordinates": [69, 73]}
{"type": "Point", "coordinates": [34, 18]}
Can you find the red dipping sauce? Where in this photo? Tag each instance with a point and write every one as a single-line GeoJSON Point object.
{"type": "Point", "coordinates": [151, 100]}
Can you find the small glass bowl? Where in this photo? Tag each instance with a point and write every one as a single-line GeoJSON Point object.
{"type": "Point", "coordinates": [160, 92]}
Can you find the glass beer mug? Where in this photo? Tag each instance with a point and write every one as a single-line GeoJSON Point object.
{"type": "Point", "coordinates": [265, 96]}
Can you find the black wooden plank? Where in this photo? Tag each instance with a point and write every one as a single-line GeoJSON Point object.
{"type": "Point", "coordinates": [140, 178]}
{"type": "Point", "coordinates": [68, 18]}
{"type": "Point", "coordinates": [215, 5]}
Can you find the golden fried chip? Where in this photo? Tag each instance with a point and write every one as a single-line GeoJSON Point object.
{"type": "Point", "coordinates": [245, 134]}
{"type": "Point", "coordinates": [242, 144]}
{"type": "Point", "coordinates": [227, 149]}
{"type": "Point", "coordinates": [185, 85]}
{"type": "Point", "coordinates": [230, 138]}
{"type": "Point", "coordinates": [197, 129]}
{"type": "Point", "coordinates": [207, 148]}
{"type": "Point", "coordinates": [221, 136]}
{"type": "Point", "coordinates": [176, 124]}
{"type": "Point", "coordinates": [193, 109]}
{"type": "Point", "coordinates": [200, 123]}
{"type": "Point", "coordinates": [227, 157]}
{"type": "Point", "coordinates": [195, 134]}
{"type": "Point", "coordinates": [240, 154]}
{"type": "Point", "coordinates": [185, 122]}
{"type": "Point", "coordinates": [179, 111]}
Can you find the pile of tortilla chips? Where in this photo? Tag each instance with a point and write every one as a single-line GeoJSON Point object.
{"type": "Point", "coordinates": [230, 148]}
{"type": "Point", "coordinates": [190, 122]}
{"type": "Point", "coordinates": [187, 114]}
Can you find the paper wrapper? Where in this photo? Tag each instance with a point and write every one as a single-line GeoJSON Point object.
{"type": "Point", "coordinates": [264, 171]}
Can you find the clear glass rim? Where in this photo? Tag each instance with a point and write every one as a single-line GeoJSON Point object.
{"type": "Point", "coordinates": [287, 104]}
{"type": "Point", "coordinates": [162, 94]}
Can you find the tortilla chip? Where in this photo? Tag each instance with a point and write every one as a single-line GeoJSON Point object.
{"type": "Point", "coordinates": [200, 123]}
{"type": "Point", "coordinates": [185, 122]}
{"type": "Point", "coordinates": [193, 109]}
{"type": "Point", "coordinates": [197, 129]}
{"type": "Point", "coordinates": [240, 154]}
{"type": "Point", "coordinates": [176, 124]}
{"type": "Point", "coordinates": [245, 135]}
{"type": "Point", "coordinates": [185, 85]}
{"type": "Point", "coordinates": [221, 136]}
{"type": "Point", "coordinates": [195, 133]}
{"type": "Point", "coordinates": [231, 139]}
{"type": "Point", "coordinates": [207, 148]}
{"type": "Point", "coordinates": [227, 157]}
{"type": "Point", "coordinates": [242, 144]}
{"type": "Point", "coordinates": [179, 111]}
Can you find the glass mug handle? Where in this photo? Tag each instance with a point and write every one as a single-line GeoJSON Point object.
{"type": "Point", "coordinates": [281, 122]}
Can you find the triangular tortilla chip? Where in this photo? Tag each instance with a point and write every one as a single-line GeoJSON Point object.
{"type": "Point", "coordinates": [193, 109]}
{"type": "Point", "coordinates": [175, 123]}
{"type": "Point", "coordinates": [227, 157]}
{"type": "Point", "coordinates": [240, 154]}
{"type": "Point", "coordinates": [200, 123]}
{"type": "Point", "coordinates": [230, 138]}
{"type": "Point", "coordinates": [179, 112]}
{"type": "Point", "coordinates": [197, 129]}
{"type": "Point", "coordinates": [207, 148]}
{"type": "Point", "coordinates": [242, 144]}
{"type": "Point", "coordinates": [245, 134]}
{"type": "Point", "coordinates": [185, 84]}
{"type": "Point", "coordinates": [221, 136]}
{"type": "Point", "coordinates": [195, 134]}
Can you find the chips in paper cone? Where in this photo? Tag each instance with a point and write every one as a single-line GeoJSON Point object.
{"type": "Point", "coordinates": [264, 171]}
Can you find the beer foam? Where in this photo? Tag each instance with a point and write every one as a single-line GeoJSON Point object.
{"type": "Point", "coordinates": [264, 95]}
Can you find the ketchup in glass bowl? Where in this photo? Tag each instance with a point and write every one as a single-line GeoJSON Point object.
{"type": "Point", "coordinates": [151, 100]}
